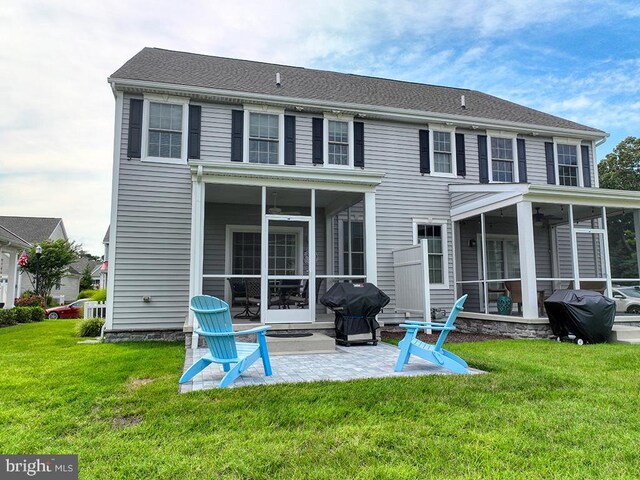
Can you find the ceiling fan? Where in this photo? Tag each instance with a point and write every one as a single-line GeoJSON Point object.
{"type": "Point", "coordinates": [540, 219]}
{"type": "Point", "coordinates": [275, 210]}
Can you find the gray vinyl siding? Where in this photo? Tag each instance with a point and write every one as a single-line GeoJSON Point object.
{"type": "Point", "coordinates": [152, 251]}
{"type": "Point", "coordinates": [536, 160]}
{"type": "Point", "coordinates": [215, 142]}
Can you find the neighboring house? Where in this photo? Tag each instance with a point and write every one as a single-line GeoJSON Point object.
{"type": "Point", "coordinates": [77, 268]}
{"type": "Point", "coordinates": [104, 267]}
{"type": "Point", "coordinates": [11, 245]}
{"type": "Point", "coordinates": [229, 169]}
{"type": "Point", "coordinates": [33, 230]}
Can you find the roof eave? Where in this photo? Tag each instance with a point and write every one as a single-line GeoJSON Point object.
{"type": "Point", "coordinates": [363, 111]}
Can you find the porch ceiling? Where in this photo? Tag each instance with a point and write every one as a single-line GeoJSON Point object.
{"type": "Point", "coordinates": [286, 197]}
{"type": "Point", "coordinates": [481, 198]}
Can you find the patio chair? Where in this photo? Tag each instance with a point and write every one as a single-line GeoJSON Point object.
{"type": "Point", "coordinates": [216, 327]}
{"type": "Point", "coordinates": [435, 354]}
{"type": "Point", "coordinates": [239, 296]}
{"type": "Point", "coordinates": [302, 300]}
{"type": "Point", "coordinates": [594, 286]}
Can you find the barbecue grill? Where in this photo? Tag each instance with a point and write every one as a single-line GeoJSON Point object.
{"type": "Point", "coordinates": [580, 315]}
{"type": "Point", "coordinates": [355, 306]}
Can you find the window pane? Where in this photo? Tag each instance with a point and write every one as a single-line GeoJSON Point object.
{"type": "Point", "coordinates": [165, 126]}
{"type": "Point", "coordinates": [442, 162]}
{"type": "Point", "coordinates": [338, 154]}
{"type": "Point", "coordinates": [338, 132]}
{"type": "Point", "coordinates": [502, 171]}
{"type": "Point", "coordinates": [501, 148]}
{"type": "Point", "coordinates": [263, 151]}
{"type": "Point", "coordinates": [567, 155]}
{"type": "Point", "coordinates": [442, 142]}
{"type": "Point", "coordinates": [263, 125]}
{"type": "Point", "coordinates": [568, 176]}
{"type": "Point", "coordinates": [435, 269]}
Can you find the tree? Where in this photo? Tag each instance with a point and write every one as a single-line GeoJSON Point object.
{"type": "Point", "coordinates": [86, 282]}
{"type": "Point", "coordinates": [620, 170]}
{"type": "Point", "coordinates": [51, 266]}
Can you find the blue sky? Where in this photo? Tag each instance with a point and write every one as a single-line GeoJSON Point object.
{"type": "Point", "coordinates": [575, 59]}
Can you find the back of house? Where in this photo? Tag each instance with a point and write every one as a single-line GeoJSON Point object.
{"type": "Point", "coordinates": [265, 184]}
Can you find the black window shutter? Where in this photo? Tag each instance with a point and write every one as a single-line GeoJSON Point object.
{"type": "Point", "coordinates": [134, 146]}
{"type": "Point", "coordinates": [551, 166]}
{"type": "Point", "coordinates": [425, 165]}
{"type": "Point", "coordinates": [461, 165]}
{"type": "Point", "coordinates": [483, 159]}
{"type": "Point", "coordinates": [237, 127]}
{"type": "Point", "coordinates": [522, 160]}
{"type": "Point", "coordinates": [317, 139]}
{"type": "Point", "coordinates": [195, 115]}
{"type": "Point", "coordinates": [289, 140]}
{"type": "Point", "coordinates": [358, 144]}
{"type": "Point", "coordinates": [586, 166]}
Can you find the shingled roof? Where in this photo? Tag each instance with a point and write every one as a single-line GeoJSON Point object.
{"type": "Point", "coordinates": [189, 69]}
{"type": "Point", "coordinates": [31, 229]}
{"type": "Point", "coordinates": [8, 236]}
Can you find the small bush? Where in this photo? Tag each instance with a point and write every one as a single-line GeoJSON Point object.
{"type": "Point", "coordinates": [27, 294]}
{"type": "Point", "coordinates": [31, 301]}
{"type": "Point", "coordinates": [7, 318]}
{"type": "Point", "coordinates": [88, 293]}
{"type": "Point", "coordinates": [91, 327]}
{"type": "Point", "coordinates": [22, 314]}
{"type": "Point", "coordinates": [37, 314]}
{"type": "Point", "coordinates": [99, 295]}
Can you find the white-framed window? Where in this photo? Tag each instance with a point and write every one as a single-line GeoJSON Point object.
{"type": "Point", "coordinates": [244, 250]}
{"type": "Point", "coordinates": [164, 124]}
{"type": "Point", "coordinates": [503, 164]}
{"type": "Point", "coordinates": [442, 154]}
{"type": "Point", "coordinates": [264, 135]}
{"type": "Point", "coordinates": [435, 233]}
{"type": "Point", "coordinates": [351, 248]}
{"type": "Point", "coordinates": [338, 141]}
{"type": "Point", "coordinates": [503, 257]}
{"type": "Point", "coordinates": [568, 159]}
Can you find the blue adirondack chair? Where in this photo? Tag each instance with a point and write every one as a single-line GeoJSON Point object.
{"type": "Point", "coordinates": [435, 354]}
{"type": "Point", "coordinates": [216, 327]}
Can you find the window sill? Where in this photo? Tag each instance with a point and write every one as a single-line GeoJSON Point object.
{"type": "Point", "coordinates": [438, 286]}
{"type": "Point", "coordinates": [338, 167]}
{"type": "Point", "coordinates": [166, 161]}
{"type": "Point", "coordinates": [442, 174]}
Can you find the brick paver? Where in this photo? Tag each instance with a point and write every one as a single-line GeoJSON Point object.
{"type": "Point", "coordinates": [348, 363]}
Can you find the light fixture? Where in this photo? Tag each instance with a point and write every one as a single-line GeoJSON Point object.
{"type": "Point", "coordinates": [473, 243]}
{"type": "Point", "coordinates": [538, 218]}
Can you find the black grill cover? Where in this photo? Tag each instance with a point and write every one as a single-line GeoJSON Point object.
{"type": "Point", "coordinates": [588, 315]}
{"type": "Point", "coordinates": [355, 299]}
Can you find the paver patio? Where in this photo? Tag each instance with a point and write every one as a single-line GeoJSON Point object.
{"type": "Point", "coordinates": [347, 363]}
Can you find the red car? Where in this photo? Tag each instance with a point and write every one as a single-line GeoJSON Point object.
{"type": "Point", "coordinates": [66, 311]}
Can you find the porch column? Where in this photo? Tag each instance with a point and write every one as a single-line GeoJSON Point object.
{"type": "Point", "coordinates": [527, 260]}
{"type": "Point", "coordinates": [371, 254]}
{"type": "Point", "coordinates": [197, 245]}
{"type": "Point", "coordinates": [12, 277]}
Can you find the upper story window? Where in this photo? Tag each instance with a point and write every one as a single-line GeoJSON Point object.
{"type": "Point", "coordinates": [338, 143]}
{"type": "Point", "coordinates": [502, 159]}
{"type": "Point", "coordinates": [442, 157]}
{"type": "Point", "coordinates": [165, 130]}
{"type": "Point", "coordinates": [263, 138]}
{"type": "Point", "coordinates": [338, 140]}
{"type": "Point", "coordinates": [435, 233]}
{"type": "Point", "coordinates": [568, 171]}
{"type": "Point", "coordinates": [164, 126]}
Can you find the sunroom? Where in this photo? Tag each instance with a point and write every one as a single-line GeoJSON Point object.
{"type": "Point", "coordinates": [515, 244]}
{"type": "Point", "coordinates": [269, 240]}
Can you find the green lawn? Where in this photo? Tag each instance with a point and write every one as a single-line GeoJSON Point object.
{"type": "Point", "coordinates": [545, 410]}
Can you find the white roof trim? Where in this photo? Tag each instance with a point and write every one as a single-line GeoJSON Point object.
{"type": "Point", "coordinates": [239, 173]}
{"type": "Point", "coordinates": [503, 195]}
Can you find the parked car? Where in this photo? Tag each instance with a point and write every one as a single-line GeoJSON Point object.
{"type": "Point", "coordinates": [66, 311]}
{"type": "Point", "coordinates": [627, 299]}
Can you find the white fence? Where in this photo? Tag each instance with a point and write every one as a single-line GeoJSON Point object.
{"type": "Point", "coordinates": [95, 309]}
{"type": "Point", "coordinates": [411, 271]}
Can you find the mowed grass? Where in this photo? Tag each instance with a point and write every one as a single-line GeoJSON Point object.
{"type": "Point", "coordinates": [545, 410]}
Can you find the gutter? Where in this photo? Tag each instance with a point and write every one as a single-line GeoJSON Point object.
{"type": "Point", "coordinates": [359, 110]}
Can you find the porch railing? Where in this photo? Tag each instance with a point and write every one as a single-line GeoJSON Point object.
{"type": "Point", "coordinates": [95, 310]}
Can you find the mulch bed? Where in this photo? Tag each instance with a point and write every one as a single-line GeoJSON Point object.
{"type": "Point", "coordinates": [453, 337]}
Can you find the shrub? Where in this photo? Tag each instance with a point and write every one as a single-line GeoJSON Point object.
{"type": "Point", "coordinates": [52, 302]}
{"type": "Point", "coordinates": [22, 314]}
{"type": "Point", "coordinates": [27, 294]}
{"type": "Point", "coordinates": [88, 293]}
{"type": "Point", "coordinates": [7, 317]}
{"type": "Point", "coordinates": [31, 301]}
{"type": "Point", "coordinates": [37, 314]}
{"type": "Point", "coordinates": [91, 327]}
{"type": "Point", "coordinates": [99, 295]}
